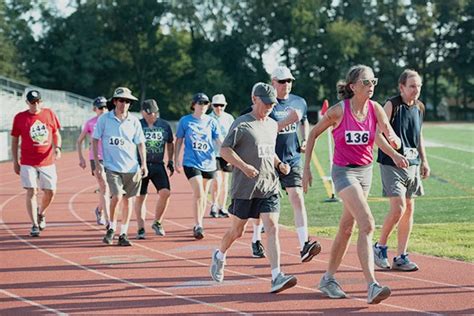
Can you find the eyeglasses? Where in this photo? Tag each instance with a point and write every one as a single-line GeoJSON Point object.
{"type": "Point", "coordinates": [367, 82]}
{"type": "Point", "coordinates": [124, 101]}
{"type": "Point", "coordinates": [203, 102]}
{"type": "Point", "coordinates": [218, 105]}
{"type": "Point", "coordinates": [285, 81]}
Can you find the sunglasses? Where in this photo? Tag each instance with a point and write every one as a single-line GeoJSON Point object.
{"type": "Point", "coordinates": [218, 105]}
{"type": "Point", "coordinates": [203, 102]}
{"type": "Point", "coordinates": [285, 81]}
{"type": "Point", "coordinates": [367, 82]}
{"type": "Point", "coordinates": [124, 101]}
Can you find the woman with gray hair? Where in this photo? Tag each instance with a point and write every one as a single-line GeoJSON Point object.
{"type": "Point", "coordinates": [355, 121]}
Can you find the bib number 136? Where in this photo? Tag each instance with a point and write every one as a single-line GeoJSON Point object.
{"type": "Point", "coordinates": [357, 137]}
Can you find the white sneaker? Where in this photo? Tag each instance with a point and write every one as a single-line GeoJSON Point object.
{"type": "Point", "coordinates": [217, 267]}
{"type": "Point", "coordinates": [377, 293]}
{"type": "Point", "coordinates": [380, 257]}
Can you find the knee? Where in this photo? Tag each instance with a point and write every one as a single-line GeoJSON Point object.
{"type": "Point", "coordinates": [49, 193]}
{"type": "Point", "coordinates": [347, 230]}
{"type": "Point", "coordinates": [367, 226]}
{"type": "Point", "coordinates": [398, 208]}
{"type": "Point", "coordinates": [31, 193]}
{"type": "Point", "coordinates": [164, 193]}
{"type": "Point", "coordinates": [271, 228]}
{"type": "Point", "coordinates": [238, 232]}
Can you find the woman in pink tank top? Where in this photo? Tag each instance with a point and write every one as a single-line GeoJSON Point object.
{"type": "Point", "coordinates": [355, 121]}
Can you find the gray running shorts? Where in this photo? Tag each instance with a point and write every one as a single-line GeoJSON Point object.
{"type": "Point", "coordinates": [127, 184]}
{"type": "Point", "coordinates": [347, 176]}
{"type": "Point", "coordinates": [293, 179]}
{"type": "Point", "coordinates": [401, 182]}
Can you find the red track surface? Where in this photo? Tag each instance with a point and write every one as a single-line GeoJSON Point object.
{"type": "Point", "coordinates": [69, 270]}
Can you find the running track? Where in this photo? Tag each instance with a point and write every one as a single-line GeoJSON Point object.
{"type": "Point", "coordinates": [68, 270]}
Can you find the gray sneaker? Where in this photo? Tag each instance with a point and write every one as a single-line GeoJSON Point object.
{"type": "Point", "coordinates": [402, 263]}
{"type": "Point", "coordinates": [217, 267]}
{"type": "Point", "coordinates": [198, 232]}
{"type": "Point", "coordinates": [141, 233]}
{"type": "Point", "coordinates": [109, 237]}
{"type": "Point", "coordinates": [158, 228]}
{"type": "Point", "coordinates": [283, 282]}
{"type": "Point", "coordinates": [380, 257]}
{"type": "Point", "coordinates": [41, 221]}
{"type": "Point", "coordinates": [377, 293]}
{"type": "Point", "coordinates": [331, 288]}
{"type": "Point", "coordinates": [35, 231]}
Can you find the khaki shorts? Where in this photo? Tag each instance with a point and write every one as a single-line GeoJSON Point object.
{"type": "Point", "coordinates": [127, 184]}
{"type": "Point", "coordinates": [400, 181]}
{"type": "Point", "coordinates": [46, 175]}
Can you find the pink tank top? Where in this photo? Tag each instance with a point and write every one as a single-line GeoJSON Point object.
{"type": "Point", "coordinates": [89, 129]}
{"type": "Point", "coordinates": [354, 140]}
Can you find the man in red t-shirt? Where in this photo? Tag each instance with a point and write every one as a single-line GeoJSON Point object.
{"type": "Point", "coordinates": [39, 130]}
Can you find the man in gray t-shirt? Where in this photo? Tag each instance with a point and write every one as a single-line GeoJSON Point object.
{"type": "Point", "coordinates": [250, 148]}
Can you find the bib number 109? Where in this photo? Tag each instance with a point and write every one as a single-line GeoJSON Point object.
{"type": "Point", "coordinates": [116, 141]}
{"type": "Point", "coordinates": [357, 137]}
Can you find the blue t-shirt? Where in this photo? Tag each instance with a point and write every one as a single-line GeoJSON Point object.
{"type": "Point", "coordinates": [119, 141]}
{"type": "Point", "coordinates": [198, 134]}
{"type": "Point", "coordinates": [287, 144]}
{"type": "Point", "coordinates": [155, 139]}
{"type": "Point", "coordinates": [224, 122]}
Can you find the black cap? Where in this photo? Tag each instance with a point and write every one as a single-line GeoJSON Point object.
{"type": "Point", "coordinates": [100, 102]}
{"type": "Point", "coordinates": [33, 95]}
{"type": "Point", "coordinates": [200, 97]}
{"type": "Point", "coordinates": [265, 92]}
{"type": "Point", "coordinates": [150, 106]}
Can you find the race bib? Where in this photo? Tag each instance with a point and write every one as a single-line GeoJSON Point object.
{"type": "Point", "coordinates": [39, 133]}
{"type": "Point", "coordinates": [410, 153]}
{"type": "Point", "coordinates": [266, 151]}
{"type": "Point", "coordinates": [116, 141]}
{"type": "Point", "coordinates": [289, 129]}
{"type": "Point", "coordinates": [155, 135]}
{"type": "Point", "coordinates": [200, 146]}
{"type": "Point", "coordinates": [357, 137]}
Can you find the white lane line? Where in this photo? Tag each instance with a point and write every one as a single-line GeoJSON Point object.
{"type": "Point", "coordinates": [433, 143]}
{"type": "Point", "coordinates": [71, 209]}
{"type": "Point", "coordinates": [25, 300]}
{"type": "Point", "coordinates": [451, 161]}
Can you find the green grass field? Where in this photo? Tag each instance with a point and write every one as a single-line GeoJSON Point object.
{"type": "Point", "coordinates": [444, 217]}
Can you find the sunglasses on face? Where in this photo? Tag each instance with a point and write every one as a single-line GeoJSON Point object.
{"type": "Point", "coordinates": [285, 81]}
{"type": "Point", "coordinates": [124, 101]}
{"type": "Point", "coordinates": [367, 82]}
{"type": "Point", "coordinates": [218, 105]}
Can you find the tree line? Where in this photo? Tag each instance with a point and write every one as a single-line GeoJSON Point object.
{"type": "Point", "coordinates": [168, 50]}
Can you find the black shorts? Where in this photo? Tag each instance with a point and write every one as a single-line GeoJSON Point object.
{"type": "Point", "coordinates": [245, 209]}
{"type": "Point", "coordinates": [191, 172]}
{"type": "Point", "coordinates": [93, 165]}
{"type": "Point", "coordinates": [223, 165]}
{"type": "Point", "coordinates": [157, 174]}
{"type": "Point", "coordinates": [293, 179]}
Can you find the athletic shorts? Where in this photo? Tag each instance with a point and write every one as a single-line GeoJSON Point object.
{"type": "Point", "coordinates": [46, 175]}
{"type": "Point", "coordinates": [347, 176]}
{"type": "Point", "coordinates": [401, 182]}
{"type": "Point", "coordinates": [157, 174]}
{"type": "Point", "coordinates": [245, 209]}
{"type": "Point", "coordinates": [191, 172]}
{"type": "Point", "coordinates": [293, 179]}
{"type": "Point", "coordinates": [93, 165]}
{"type": "Point", "coordinates": [127, 184]}
{"type": "Point", "coordinates": [223, 165]}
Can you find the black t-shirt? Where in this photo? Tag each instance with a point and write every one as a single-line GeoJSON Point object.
{"type": "Point", "coordinates": [155, 139]}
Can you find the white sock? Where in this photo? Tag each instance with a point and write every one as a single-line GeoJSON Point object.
{"type": "Point", "coordinates": [302, 235]}
{"type": "Point", "coordinates": [220, 255]}
{"type": "Point", "coordinates": [124, 229]}
{"type": "Point", "coordinates": [257, 232]}
{"type": "Point", "coordinates": [113, 225]}
{"type": "Point", "coordinates": [381, 246]}
{"type": "Point", "coordinates": [328, 276]}
{"type": "Point", "coordinates": [275, 273]}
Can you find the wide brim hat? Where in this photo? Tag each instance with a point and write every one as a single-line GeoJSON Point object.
{"type": "Point", "coordinates": [123, 93]}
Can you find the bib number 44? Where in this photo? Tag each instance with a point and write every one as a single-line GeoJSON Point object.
{"type": "Point", "coordinates": [357, 137]}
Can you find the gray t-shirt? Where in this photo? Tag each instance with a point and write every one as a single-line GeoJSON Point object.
{"type": "Point", "coordinates": [254, 142]}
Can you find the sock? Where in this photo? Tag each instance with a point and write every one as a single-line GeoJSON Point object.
{"type": "Point", "coordinates": [328, 276]}
{"type": "Point", "coordinates": [220, 255]}
{"type": "Point", "coordinates": [113, 225]}
{"type": "Point", "coordinates": [257, 232]}
{"type": "Point", "coordinates": [124, 229]}
{"type": "Point", "coordinates": [302, 235]}
{"type": "Point", "coordinates": [275, 273]}
{"type": "Point", "coordinates": [380, 245]}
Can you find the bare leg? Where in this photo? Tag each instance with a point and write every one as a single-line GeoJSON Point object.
{"type": "Point", "coordinates": [235, 231]}
{"type": "Point", "coordinates": [199, 199]}
{"type": "Point", "coordinates": [140, 210]}
{"type": "Point", "coordinates": [405, 226]}
{"type": "Point", "coordinates": [296, 198]}
{"type": "Point", "coordinates": [397, 209]}
{"type": "Point", "coordinates": [32, 204]}
{"type": "Point", "coordinates": [48, 196]}
{"type": "Point", "coordinates": [162, 204]}
{"type": "Point", "coordinates": [270, 222]}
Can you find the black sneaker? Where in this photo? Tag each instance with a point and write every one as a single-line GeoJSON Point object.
{"type": "Point", "coordinates": [41, 221]}
{"type": "Point", "coordinates": [310, 250]}
{"type": "Point", "coordinates": [35, 231]}
{"type": "Point", "coordinates": [198, 232]}
{"type": "Point", "coordinates": [109, 237]}
{"type": "Point", "coordinates": [213, 212]}
{"type": "Point", "coordinates": [257, 250]}
{"type": "Point", "coordinates": [158, 228]}
{"type": "Point", "coordinates": [123, 241]}
{"type": "Point", "coordinates": [141, 233]}
{"type": "Point", "coordinates": [223, 214]}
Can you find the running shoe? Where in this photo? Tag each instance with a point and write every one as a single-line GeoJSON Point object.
{"type": "Point", "coordinates": [331, 288]}
{"type": "Point", "coordinates": [214, 212]}
{"type": "Point", "coordinates": [109, 237]}
{"type": "Point", "coordinates": [158, 228]}
{"type": "Point", "coordinates": [223, 213]}
{"type": "Point", "coordinates": [380, 257]}
{"type": "Point", "coordinates": [310, 249]}
{"type": "Point", "coordinates": [403, 263]}
{"type": "Point", "coordinates": [198, 232]}
{"type": "Point", "coordinates": [141, 233]}
{"type": "Point", "coordinates": [217, 267]}
{"type": "Point", "coordinates": [283, 282]}
{"type": "Point", "coordinates": [41, 221]}
{"type": "Point", "coordinates": [377, 293]}
{"type": "Point", "coordinates": [123, 241]}
{"type": "Point", "coordinates": [257, 250]}
{"type": "Point", "coordinates": [35, 231]}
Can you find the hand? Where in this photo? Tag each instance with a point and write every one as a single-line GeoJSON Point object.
{"type": "Point", "coordinates": [284, 168]}
{"type": "Point", "coordinates": [82, 163]}
{"type": "Point", "coordinates": [250, 171]}
{"type": "Point", "coordinates": [394, 141]}
{"type": "Point", "coordinates": [400, 161]}
{"type": "Point", "coordinates": [58, 153]}
{"type": "Point", "coordinates": [178, 166]}
{"type": "Point", "coordinates": [170, 167]}
{"type": "Point", "coordinates": [293, 115]}
{"type": "Point", "coordinates": [425, 170]}
{"type": "Point", "coordinates": [303, 147]}
{"type": "Point", "coordinates": [307, 179]}
{"type": "Point", "coordinates": [144, 170]}
{"type": "Point", "coordinates": [16, 167]}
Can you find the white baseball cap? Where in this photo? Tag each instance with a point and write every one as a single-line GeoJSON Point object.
{"type": "Point", "coordinates": [281, 73]}
{"type": "Point", "coordinates": [219, 99]}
